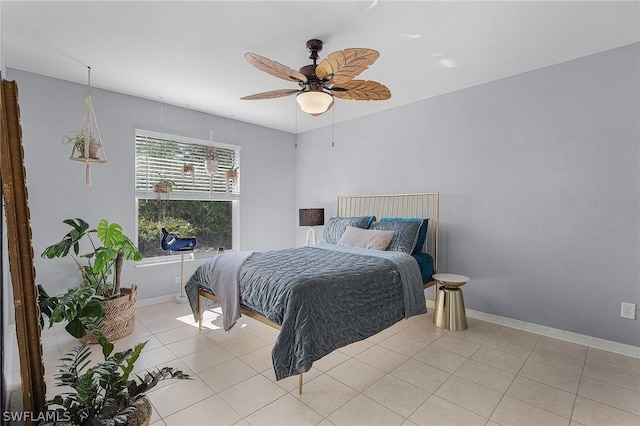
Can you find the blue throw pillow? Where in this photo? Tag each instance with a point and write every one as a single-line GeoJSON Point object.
{"type": "Point", "coordinates": [422, 234]}
{"type": "Point", "coordinates": [405, 233]}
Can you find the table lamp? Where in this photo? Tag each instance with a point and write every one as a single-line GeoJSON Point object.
{"type": "Point", "coordinates": [311, 218]}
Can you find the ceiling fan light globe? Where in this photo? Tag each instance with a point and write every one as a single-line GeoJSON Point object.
{"type": "Point", "coordinates": [314, 102]}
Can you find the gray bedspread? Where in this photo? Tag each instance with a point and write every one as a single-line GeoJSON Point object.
{"type": "Point", "coordinates": [323, 297]}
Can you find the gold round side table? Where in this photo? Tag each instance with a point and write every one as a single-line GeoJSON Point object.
{"type": "Point", "coordinates": [449, 312]}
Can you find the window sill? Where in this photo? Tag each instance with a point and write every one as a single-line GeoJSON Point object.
{"type": "Point", "coordinates": [171, 259]}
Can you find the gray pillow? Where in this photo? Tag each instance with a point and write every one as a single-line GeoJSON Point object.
{"type": "Point", "coordinates": [405, 234]}
{"type": "Point", "coordinates": [336, 226]}
{"type": "Point", "coordinates": [366, 238]}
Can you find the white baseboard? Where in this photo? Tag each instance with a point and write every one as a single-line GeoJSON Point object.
{"type": "Point", "coordinates": [568, 336]}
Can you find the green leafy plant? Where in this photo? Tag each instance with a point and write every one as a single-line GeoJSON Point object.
{"type": "Point", "coordinates": [100, 268]}
{"type": "Point", "coordinates": [79, 140]}
{"type": "Point", "coordinates": [105, 393]}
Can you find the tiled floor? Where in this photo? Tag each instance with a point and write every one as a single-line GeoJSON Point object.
{"type": "Point", "coordinates": [410, 374]}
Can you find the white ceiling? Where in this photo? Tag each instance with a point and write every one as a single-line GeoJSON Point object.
{"type": "Point", "coordinates": [192, 53]}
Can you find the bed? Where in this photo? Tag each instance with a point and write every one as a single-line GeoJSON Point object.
{"type": "Point", "coordinates": [329, 295]}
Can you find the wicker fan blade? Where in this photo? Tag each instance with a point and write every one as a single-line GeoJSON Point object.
{"type": "Point", "coordinates": [274, 68]}
{"type": "Point", "coordinates": [343, 65]}
{"type": "Point", "coordinates": [272, 94]}
{"type": "Point", "coordinates": [361, 90]}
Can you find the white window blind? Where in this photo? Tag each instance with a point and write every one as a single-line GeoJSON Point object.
{"type": "Point", "coordinates": [182, 161]}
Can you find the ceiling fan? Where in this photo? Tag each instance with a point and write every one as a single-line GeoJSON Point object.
{"type": "Point", "coordinates": [320, 83]}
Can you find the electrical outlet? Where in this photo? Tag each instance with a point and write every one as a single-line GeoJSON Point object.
{"type": "Point", "coordinates": [628, 310]}
{"type": "Point", "coordinates": [177, 280]}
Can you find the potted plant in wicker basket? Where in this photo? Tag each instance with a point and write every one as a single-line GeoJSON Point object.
{"type": "Point", "coordinates": [99, 298]}
{"type": "Point", "coordinates": [105, 393]}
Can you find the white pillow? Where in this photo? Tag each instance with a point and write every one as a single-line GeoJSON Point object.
{"type": "Point", "coordinates": [366, 238]}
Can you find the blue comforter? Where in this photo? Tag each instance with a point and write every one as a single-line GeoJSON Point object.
{"type": "Point", "coordinates": [323, 297]}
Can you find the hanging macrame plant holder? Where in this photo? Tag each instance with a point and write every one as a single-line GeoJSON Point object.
{"type": "Point", "coordinates": [87, 144]}
{"type": "Point", "coordinates": [211, 158]}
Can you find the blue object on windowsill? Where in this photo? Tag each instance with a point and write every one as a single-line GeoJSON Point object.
{"type": "Point", "coordinates": [174, 243]}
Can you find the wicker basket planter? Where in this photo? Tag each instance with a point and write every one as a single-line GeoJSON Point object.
{"type": "Point", "coordinates": [119, 315]}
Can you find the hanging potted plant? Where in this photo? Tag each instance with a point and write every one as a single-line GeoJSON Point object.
{"type": "Point", "coordinates": [211, 160]}
{"type": "Point", "coordinates": [83, 143]}
{"type": "Point", "coordinates": [163, 186]}
{"type": "Point", "coordinates": [99, 299]}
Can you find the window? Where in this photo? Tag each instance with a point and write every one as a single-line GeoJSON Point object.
{"type": "Point", "coordinates": [178, 189]}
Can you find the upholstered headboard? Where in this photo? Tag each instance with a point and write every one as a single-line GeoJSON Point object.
{"type": "Point", "coordinates": [419, 205]}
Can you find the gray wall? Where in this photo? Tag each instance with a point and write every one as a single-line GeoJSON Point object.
{"type": "Point", "coordinates": [539, 180]}
{"type": "Point", "coordinates": [51, 108]}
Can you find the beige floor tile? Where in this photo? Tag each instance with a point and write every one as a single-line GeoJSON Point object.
{"type": "Point", "coordinates": [260, 359]}
{"type": "Point", "coordinates": [568, 348]}
{"type": "Point", "coordinates": [372, 380]}
{"type": "Point", "coordinates": [211, 411]}
{"type": "Point", "coordinates": [128, 343]}
{"type": "Point", "coordinates": [552, 376]}
{"type": "Point", "coordinates": [285, 411]}
{"type": "Point", "coordinates": [266, 333]}
{"type": "Point", "coordinates": [397, 395]}
{"type": "Point", "coordinates": [496, 358]}
{"type": "Point", "coordinates": [356, 374]}
{"type": "Point", "coordinates": [164, 399]}
{"type": "Point", "coordinates": [325, 422]}
{"type": "Point", "coordinates": [166, 323]}
{"type": "Point", "coordinates": [355, 348]}
{"type": "Point", "coordinates": [422, 332]}
{"type": "Point", "coordinates": [205, 359]}
{"type": "Point", "coordinates": [176, 334]}
{"type": "Point", "coordinates": [558, 359]}
{"type": "Point", "coordinates": [511, 411]}
{"type": "Point", "coordinates": [325, 394]}
{"type": "Point", "coordinates": [477, 331]}
{"type": "Point", "coordinates": [251, 395]}
{"type": "Point", "coordinates": [592, 413]}
{"type": "Point", "coordinates": [402, 345]}
{"type": "Point", "coordinates": [190, 345]}
{"type": "Point", "coordinates": [381, 358]}
{"type": "Point", "coordinates": [457, 346]}
{"type": "Point", "coordinates": [439, 358]}
{"type": "Point", "coordinates": [327, 362]}
{"type": "Point", "coordinates": [152, 358]}
{"type": "Point", "coordinates": [243, 344]}
{"type": "Point", "coordinates": [421, 375]}
{"type": "Point", "coordinates": [543, 396]}
{"type": "Point", "coordinates": [511, 345]}
{"type": "Point", "coordinates": [292, 383]}
{"type": "Point", "coordinates": [150, 314]}
{"type": "Point", "coordinates": [486, 375]}
{"type": "Point", "coordinates": [227, 374]}
{"type": "Point", "coordinates": [440, 412]}
{"type": "Point", "coordinates": [621, 398]}
{"type": "Point", "coordinates": [471, 396]}
{"type": "Point", "coordinates": [615, 376]}
{"type": "Point", "coordinates": [364, 411]}
{"type": "Point", "coordinates": [155, 417]}
{"type": "Point", "coordinates": [597, 356]}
